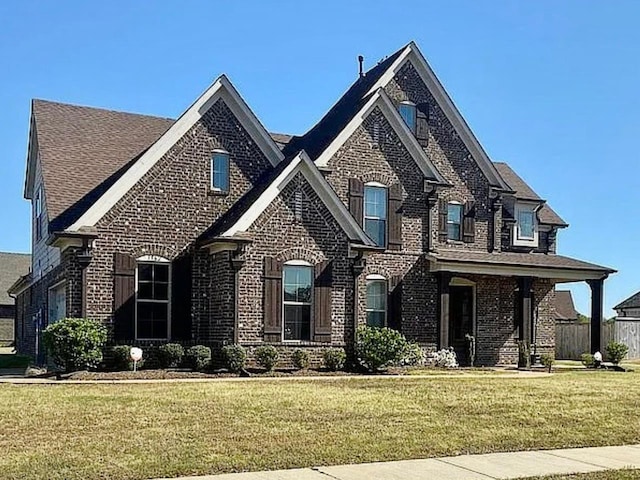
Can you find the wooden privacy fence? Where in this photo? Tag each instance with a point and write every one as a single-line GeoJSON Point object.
{"type": "Point", "coordinates": [573, 339]}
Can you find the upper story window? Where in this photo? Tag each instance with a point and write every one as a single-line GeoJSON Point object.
{"type": "Point", "coordinates": [454, 221]}
{"type": "Point", "coordinates": [375, 212]}
{"type": "Point", "coordinates": [525, 228]}
{"type": "Point", "coordinates": [152, 299]}
{"type": "Point", "coordinates": [220, 171]}
{"type": "Point", "coordinates": [376, 301]}
{"type": "Point", "coordinates": [297, 301]}
{"type": "Point", "coordinates": [408, 112]}
{"type": "Point", "coordinates": [37, 214]}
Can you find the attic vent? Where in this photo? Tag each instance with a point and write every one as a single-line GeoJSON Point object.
{"type": "Point", "coordinates": [297, 205]}
{"type": "Point", "coordinates": [375, 133]}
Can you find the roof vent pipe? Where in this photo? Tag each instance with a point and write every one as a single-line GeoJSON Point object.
{"type": "Point", "coordinates": [360, 63]}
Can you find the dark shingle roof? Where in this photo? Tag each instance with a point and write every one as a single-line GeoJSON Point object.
{"type": "Point", "coordinates": [632, 302]}
{"type": "Point", "coordinates": [83, 147]}
{"type": "Point", "coordinates": [546, 214]}
{"type": "Point", "coordinates": [565, 309]}
{"type": "Point", "coordinates": [12, 267]}
{"type": "Point", "coordinates": [519, 259]}
{"type": "Point", "coordinates": [316, 140]}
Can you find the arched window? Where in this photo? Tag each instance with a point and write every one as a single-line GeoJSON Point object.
{"type": "Point", "coordinates": [408, 113]}
{"type": "Point", "coordinates": [297, 300]}
{"type": "Point", "coordinates": [376, 301]}
{"type": "Point", "coordinates": [153, 291]}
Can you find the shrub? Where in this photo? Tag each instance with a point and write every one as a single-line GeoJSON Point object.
{"type": "Point", "coordinates": [548, 359]}
{"type": "Point", "coordinates": [267, 356]}
{"type": "Point", "coordinates": [334, 359]}
{"type": "Point", "coordinates": [198, 357]}
{"type": "Point", "coordinates": [151, 358]}
{"type": "Point", "coordinates": [378, 348]}
{"type": "Point", "coordinates": [121, 358]}
{"type": "Point", "coordinates": [235, 357]}
{"type": "Point", "coordinates": [170, 355]}
{"type": "Point", "coordinates": [413, 355]}
{"type": "Point", "coordinates": [587, 360]}
{"type": "Point", "coordinates": [300, 358]}
{"type": "Point", "coordinates": [75, 343]}
{"type": "Point", "coordinates": [445, 358]}
{"type": "Point", "coordinates": [616, 351]}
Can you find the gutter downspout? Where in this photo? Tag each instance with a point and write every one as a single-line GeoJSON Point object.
{"type": "Point", "coordinates": [357, 268]}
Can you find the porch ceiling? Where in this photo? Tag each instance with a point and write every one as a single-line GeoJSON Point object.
{"type": "Point", "coordinates": [556, 267]}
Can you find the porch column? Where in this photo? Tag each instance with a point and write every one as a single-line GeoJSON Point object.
{"type": "Point", "coordinates": [526, 320]}
{"type": "Point", "coordinates": [596, 313]}
{"type": "Point", "coordinates": [444, 278]}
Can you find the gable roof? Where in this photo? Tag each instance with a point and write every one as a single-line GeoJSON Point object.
{"type": "Point", "coordinates": [565, 309]}
{"type": "Point", "coordinates": [239, 218]}
{"type": "Point", "coordinates": [81, 147]}
{"type": "Point", "coordinates": [221, 88]}
{"type": "Point", "coordinates": [632, 302]}
{"type": "Point", "coordinates": [329, 127]}
{"type": "Point", "coordinates": [546, 215]}
{"type": "Point", "coordinates": [12, 267]}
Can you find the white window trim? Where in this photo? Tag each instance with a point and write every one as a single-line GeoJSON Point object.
{"type": "Point", "coordinates": [409, 103]}
{"type": "Point", "coordinates": [525, 241]}
{"type": "Point", "coordinates": [153, 259]}
{"type": "Point", "coordinates": [211, 165]}
{"type": "Point", "coordinates": [386, 218]}
{"type": "Point", "coordinates": [53, 287]}
{"type": "Point", "coordinates": [455, 202]}
{"type": "Point", "coordinates": [298, 263]}
{"type": "Point", "coordinates": [379, 279]}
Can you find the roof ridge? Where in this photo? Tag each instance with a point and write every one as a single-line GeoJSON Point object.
{"type": "Point", "coordinates": [101, 109]}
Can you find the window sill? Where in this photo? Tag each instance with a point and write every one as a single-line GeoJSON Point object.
{"type": "Point", "coordinates": [217, 193]}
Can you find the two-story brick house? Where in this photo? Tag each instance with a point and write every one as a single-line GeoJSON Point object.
{"type": "Point", "coordinates": [209, 229]}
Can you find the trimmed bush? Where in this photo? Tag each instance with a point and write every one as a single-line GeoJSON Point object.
{"type": "Point", "coordinates": [267, 356]}
{"type": "Point", "coordinates": [235, 357]}
{"type": "Point", "coordinates": [413, 356]}
{"type": "Point", "coordinates": [75, 343]}
{"type": "Point", "coordinates": [334, 359]}
{"type": "Point", "coordinates": [587, 360]}
{"type": "Point", "coordinates": [616, 352]}
{"type": "Point", "coordinates": [445, 358]}
{"type": "Point", "coordinates": [379, 348]}
{"type": "Point", "coordinates": [198, 357]}
{"type": "Point", "coordinates": [300, 359]}
{"type": "Point", "coordinates": [151, 358]}
{"type": "Point", "coordinates": [548, 359]}
{"type": "Point", "coordinates": [170, 355]}
{"type": "Point", "coordinates": [121, 358]}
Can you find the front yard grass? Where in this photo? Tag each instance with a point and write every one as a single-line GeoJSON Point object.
{"type": "Point", "coordinates": [606, 475]}
{"type": "Point", "coordinates": [126, 431]}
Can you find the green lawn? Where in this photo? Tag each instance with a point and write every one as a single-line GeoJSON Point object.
{"type": "Point", "coordinates": [156, 430]}
{"type": "Point", "coordinates": [608, 475]}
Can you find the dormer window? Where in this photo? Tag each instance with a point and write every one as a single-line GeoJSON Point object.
{"type": "Point", "coordinates": [408, 113]}
{"type": "Point", "coordinates": [220, 171]}
{"type": "Point", "coordinates": [525, 229]}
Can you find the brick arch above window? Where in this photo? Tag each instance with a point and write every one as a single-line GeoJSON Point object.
{"type": "Point", "coordinates": [153, 250]}
{"type": "Point", "coordinates": [379, 177]}
{"type": "Point", "coordinates": [299, 253]}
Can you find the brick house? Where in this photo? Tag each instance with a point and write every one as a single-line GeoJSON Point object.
{"type": "Point", "coordinates": [209, 229]}
{"type": "Point", "coordinates": [12, 267]}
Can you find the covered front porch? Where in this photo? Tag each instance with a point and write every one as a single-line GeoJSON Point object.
{"type": "Point", "coordinates": [504, 299]}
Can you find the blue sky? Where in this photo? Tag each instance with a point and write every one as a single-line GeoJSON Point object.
{"type": "Point", "coordinates": [550, 87]}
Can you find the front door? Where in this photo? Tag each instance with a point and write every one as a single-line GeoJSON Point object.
{"type": "Point", "coordinates": [460, 320]}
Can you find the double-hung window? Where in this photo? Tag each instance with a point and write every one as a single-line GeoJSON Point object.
{"type": "Point", "coordinates": [525, 229]}
{"type": "Point", "coordinates": [152, 300]}
{"type": "Point", "coordinates": [408, 112]}
{"type": "Point", "coordinates": [525, 224]}
{"type": "Point", "coordinates": [297, 301]}
{"type": "Point", "coordinates": [376, 301]}
{"type": "Point", "coordinates": [220, 171]}
{"type": "Point", "coordinates": [454, 221]}
{"type": "Point", "coordinates": [375, 212]}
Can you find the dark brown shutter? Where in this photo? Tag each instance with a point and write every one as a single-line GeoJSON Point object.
{"type": "Point", "coordinates": [356, 199]}
{"type": "Point", "coordinates": [181, 298]}
{"type": "Point", "coordinates": [442, 220]}
{"type": "Point", "coordinates": [272, 300]}
{"type": "Point", "coordinates": [394, 303]}
{"type": "Point", "coordinates": [322, 302]}
{"type": "Point", "coordinates": [469, 222]}
{"type": "Point", "coordinates": [395, 217]}
{"type": "Point", "coordinates": [422, 123]}
{"type": "Point", "coordinates": [124, 289]}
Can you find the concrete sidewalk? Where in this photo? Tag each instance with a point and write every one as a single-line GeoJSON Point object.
{"type": "Point", "coordinates": [464, 467]}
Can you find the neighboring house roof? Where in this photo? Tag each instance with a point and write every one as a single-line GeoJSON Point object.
{"type": "Point", "coordinates": [632, 302]}
{"type": "Point", "coordinates": [546, 214]}
{"type": "Point", "coordinates": [12, 267]}
{"type": "Point", "coordinates": [237, 221]}
{"type": "Point", "coordinates": [565, 309]}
